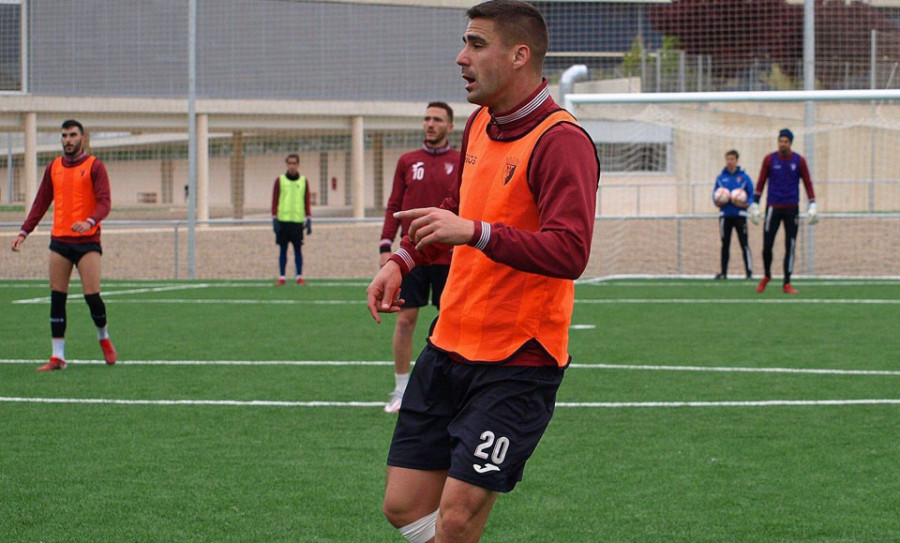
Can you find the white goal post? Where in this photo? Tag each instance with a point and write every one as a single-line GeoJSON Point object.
{"type": "Point", "coordinates": [850, 138]}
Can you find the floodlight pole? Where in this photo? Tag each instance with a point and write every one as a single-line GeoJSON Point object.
{"type": "Point", "coordinates": [192, 136]}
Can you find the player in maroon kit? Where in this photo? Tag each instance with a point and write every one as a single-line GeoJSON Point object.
{"type": "Point", "coordinates": [783, 169]}
{"type": "Point", "coordinates": [422, 179]}
{"type": "Point", "coordinates": [77, 185]}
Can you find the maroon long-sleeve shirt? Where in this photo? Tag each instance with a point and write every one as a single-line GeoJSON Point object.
{"type": "Point", "coordinates": [423, 178]}
{"type": "Point", "coordinates": [100, 181]}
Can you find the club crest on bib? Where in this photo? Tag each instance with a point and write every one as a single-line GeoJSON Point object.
{"type": "Point", "coordinates": [511, 165]}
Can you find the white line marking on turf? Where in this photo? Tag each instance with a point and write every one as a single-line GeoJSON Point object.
{"type": "Point", "coordinates": [762, 403]}
{"type": "Point", "coordinates": [735, 301]}
{"type": "Point", "coordinates": [249, 403]}
{"type": "Point", "coordinates": [109, 298]}
{"type": "Point", "coordinates": [108, 293]}
{"type": "Point", "coordinates": [268, 403]}
{"type": "Point", "coordinates": [323, 363]}
{"type": "Point", "coordinates": [213, 362]}
{"type": "Point", "coordinates": [727, 369]}
{"type": "Point", "coordinates": [243, 302]}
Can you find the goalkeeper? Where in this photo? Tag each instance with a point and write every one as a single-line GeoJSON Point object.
{"type": "Point", "coordinates": [783, 170]}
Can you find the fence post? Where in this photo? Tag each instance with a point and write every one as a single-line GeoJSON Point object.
{"type": "Point", "coordinates": [176, 250]}
{"type": "Point", "coordinates": [678, 230]}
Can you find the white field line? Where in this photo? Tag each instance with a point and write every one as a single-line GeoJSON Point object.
{"type": "Point", "coordinates": [351, 363]}
{"type": "Point", "coordinates": [314, 283]}
{"type": "Point", "coordinates": [107, 294]}
{"type": "Point", "coordinates": [706, 281]}
{"type": "Point", "coordinates": [144, 289]}
{"type": "Point", "coordinates": [109, 297]}
{"type": "Point", "coordinates": [213, 362]}
{"type": "Point", "coordinates": [613, 405]}
{"type": "Point", "coordinates": [267, 403]}
{"type": "Point", "coordinates": [851, 301]}
{"type": "Point", "coordinates": [226, 403]}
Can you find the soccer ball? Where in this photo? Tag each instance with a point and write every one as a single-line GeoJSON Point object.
{"type": "Point", "coordinates": [739, 197]}
{"type": "Point", "coordinates": [721, 196]}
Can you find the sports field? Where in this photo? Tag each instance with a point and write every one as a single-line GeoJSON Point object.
{"type": "Point", "coordinates": [694, 411]}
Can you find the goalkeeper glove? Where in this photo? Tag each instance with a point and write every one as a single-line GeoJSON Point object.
{"type": "Point", "coordinates": [276, 226]}
{"type": "Point", "coordinates": [812, 212]}
{"type": "Point", "coordinates": [755, 213]}
{"type": "Point", "coordinates": [308, 226]}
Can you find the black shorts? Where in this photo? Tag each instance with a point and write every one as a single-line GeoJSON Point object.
{"type": "Point", "coordinates": [74, 251]}
{"type": "Point", "coordinates": [290, 232]}
{"type": "Point", "coordinates": [480, 422]}
{"type": "Point", "coordinates": [416, 283]}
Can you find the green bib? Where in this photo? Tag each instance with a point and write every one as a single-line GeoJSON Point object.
{"type": "Point", "coordinates": [292, 199]}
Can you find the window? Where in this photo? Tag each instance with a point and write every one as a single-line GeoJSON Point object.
{"type": "Point", "coordinates": [12, 50]}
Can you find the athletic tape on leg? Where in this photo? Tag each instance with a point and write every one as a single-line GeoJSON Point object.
{"type": "Point", "coordinates": [421, 530]}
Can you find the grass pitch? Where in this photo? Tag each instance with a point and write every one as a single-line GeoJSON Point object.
{"type": "Point", "coordinates": [695, 411]}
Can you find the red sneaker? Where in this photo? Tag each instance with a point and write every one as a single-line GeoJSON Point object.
{"type": "Point", "coordinates": [788, 289]}
{"type": "Point", "coordinates": [762, 284]}
{"type": "Point", "coordinates": [54, 364]}
{"type": "Point", "coordinates": [279, 282]}
{"type": "Point", "coordinates": [300, 281]}
{"type": "Point", "coordinates": [109, 352]}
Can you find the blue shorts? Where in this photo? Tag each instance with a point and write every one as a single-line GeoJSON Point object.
{"type": "Point", "coordinates": [74, 251]}
{"type": "Point", "coordinates": [416, 283]}
{"type": "Point", "coordinates": [480, 422]}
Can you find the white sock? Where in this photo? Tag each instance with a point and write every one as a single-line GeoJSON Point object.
{"type": "Point", "coordinates": [59, 348]}
{"type": "Point", "coordinates": [401, 380]}
{"type": "Point", "coordinates": [103, 333]}
{"type": "Point", "coordinates": [421, 530]}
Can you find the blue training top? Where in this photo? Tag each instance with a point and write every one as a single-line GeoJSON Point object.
{"type": "Point", "coordinates": [737, 180]}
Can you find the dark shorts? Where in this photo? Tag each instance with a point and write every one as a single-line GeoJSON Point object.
{"type": "Point", "coordinates": [480, 422]}
{"type": "Point", "coordinates": [74, 251]}
{"type": "Point", "coordinates": [291, 232]}
{"type": "Point", "coordinates": [415, 286]}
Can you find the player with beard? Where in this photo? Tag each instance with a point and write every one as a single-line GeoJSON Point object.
{"type": "Point", "coordinates": [78, 187]}
{"type": "Point", "coordinates": [422, 179]}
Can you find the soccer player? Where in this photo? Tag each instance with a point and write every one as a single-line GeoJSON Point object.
{"type": "Point", "coordinates": [290, 215]}
{"type": "Point", "coordinates": [783, 169]}
{"type": "Point", "coordinates": [733, 215]}
{"type": "Point", "coordinates": [423, 178]}
{"type": "Point", "coordinates": [78, 187]}
{"type": "Point", "coordinates": [520, 222]}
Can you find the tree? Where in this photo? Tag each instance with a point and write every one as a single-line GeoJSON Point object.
{"type": "Point", "coordinates": [737, 33]}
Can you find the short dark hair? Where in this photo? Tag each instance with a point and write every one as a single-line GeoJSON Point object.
{"type": "Point", "coordinates": [294, 156]}
{"type": "Point", "coordinates": [519, 22]}
{"type": "Point", "coordinates": [72, 122]}
{"type": "Point", "coordinates": [733, 152]}
{"type": "Point", "coordinates": [443, 105]}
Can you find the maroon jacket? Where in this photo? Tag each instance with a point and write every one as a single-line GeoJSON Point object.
{"type": "Point", "coordinates": [44, 198]}
{"type": "Point", "coordinates": [423, 178]}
